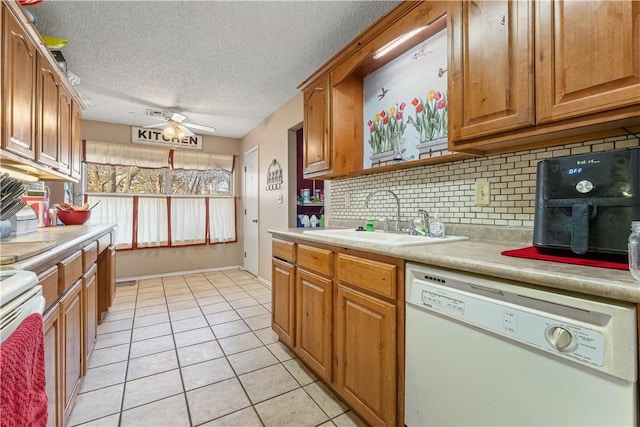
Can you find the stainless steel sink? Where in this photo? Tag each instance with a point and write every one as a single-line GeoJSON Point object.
{"type": "Point", "coordinates": [382, 238]}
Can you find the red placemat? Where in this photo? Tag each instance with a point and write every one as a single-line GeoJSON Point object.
{"type": "Point", "coordinates": [532, 252]}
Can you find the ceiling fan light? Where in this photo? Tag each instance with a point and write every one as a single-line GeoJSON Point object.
{"type": "Point", "coordinates": [180, 133]}
{"type": "Point", "coordinates": [169, 131]}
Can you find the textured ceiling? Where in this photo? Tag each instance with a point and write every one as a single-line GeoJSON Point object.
{"type": "Point", "coordinates": [228, 64]}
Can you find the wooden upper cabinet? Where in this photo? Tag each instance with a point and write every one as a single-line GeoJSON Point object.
{"type": "Point", "coordinates": [587, 57]}
{"type": "Point", "coordinates": [65, 115]}
{"type": "Point", "coordinates": [491, 67]}
{"type": "Point", "coordinates": [48, 89]}
{"type": "Point", "coordinates": [19, 66]}
{"type": "Point", "coordinates": [317, 145]}
{"type": "Point", "coordinates": [76, 141]}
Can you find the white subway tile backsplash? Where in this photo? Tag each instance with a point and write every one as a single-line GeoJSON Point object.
{"type": "Point", "coordinates": [449, 188]}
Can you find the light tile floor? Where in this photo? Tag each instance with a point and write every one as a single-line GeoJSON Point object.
{"type": "Point", "coordinates": [198, 349]}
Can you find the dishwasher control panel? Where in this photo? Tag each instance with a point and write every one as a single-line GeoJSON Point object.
{"type": "Point", "coordinates": [493, 313]}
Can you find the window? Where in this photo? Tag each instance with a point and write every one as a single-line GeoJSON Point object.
{"type": "Point", "coordinates": [159, 197]}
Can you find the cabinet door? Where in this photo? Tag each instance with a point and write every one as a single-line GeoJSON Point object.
{"type": "Point", "coordinates": [19, 67]}
{"type": "Point", "coordinates": [48, 89]}
{"type": "Point", "coordinates": [317, 144]}
{"type": "Point", "coordinates": [90, 312]}
{"type": "Point", "coordinates": [64, 130]}
{"type": "Point", "coordinates": [588, 57]}
{"type": "Point", "coordinates": [72, 351]}
{"type": "Point", "coordinates": [282, 300]}
{"type": "Point", "coordinates": [313, 322]}
{"type": "Point", "coordinates": [491, 75]}
{"type": "Point", "coordinates": [111, 274]}
{"type": "Point", "coordinates": [76, 141]}
{"type": "Point", "coordinates": [366, 355]}
{"type": "Point", "coordinates": [53, 364]}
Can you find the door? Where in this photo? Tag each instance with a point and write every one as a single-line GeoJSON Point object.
{"type": "Point", "coordinates": [313, 322]}
{"type": "Point", "coordinates": [90, 290]}
{"type": "Point", "coordinates": [366, 355]}
{"type": "Point", "coordinates": [251, 226]}
{"type": "Point", "coordinates": [492, 59]}
{"type": "Point", "coordinates": [52, 364]}
{"type": "Point", "coordinates": [19, 90]}
{"type": "Point", "coordinates": [283, 293]}
{"type": "Point", "coordinates": [317, 146]}
{"type": "Point", "coordinates": [48, 87]}
{"type": "Point", "coordinates": [72, 355]}
{"type": "Point", "coordinates": [588, 57]}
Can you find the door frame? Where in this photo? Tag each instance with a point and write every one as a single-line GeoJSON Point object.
{"type": "Point", "coordinates": [246, 215]}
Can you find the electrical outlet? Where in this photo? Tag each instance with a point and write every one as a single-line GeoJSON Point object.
{"type": "Point", "coordinates": [347, 200]}
{"type": "Point", "coordinates": [483, 193]}
{"type": "Point", "coordinates": [280, 199]}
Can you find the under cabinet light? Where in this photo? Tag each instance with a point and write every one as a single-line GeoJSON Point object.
{"type": "Point", "coordinates": [19, 175]}
{"type": "Point", "coordinates": [395, 43]}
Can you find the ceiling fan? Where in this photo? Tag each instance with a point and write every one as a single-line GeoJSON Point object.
{"type": "Point", "coordinates": [174, 125]}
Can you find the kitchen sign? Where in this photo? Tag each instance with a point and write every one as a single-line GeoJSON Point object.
{"type": "Point", "coordinates": [155, 137]}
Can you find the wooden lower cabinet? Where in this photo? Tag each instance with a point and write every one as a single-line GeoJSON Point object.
{"type": "Point", "coordinates": [366, 344]}
{"type": "Point", "coordinates": [52, 330]}
{"type": "Point", "coordinates": [90, 310]}
{"type": "Point", "coordinates": [106, 280]}
{"type": "Point", "coordinates": [72, 348]}
{"type": "Point", "coordinates": [283, 283]}
{"type": "Point", "coordinates": [349, 323]}
{"type": "Point", "coordinates": [313, 322]}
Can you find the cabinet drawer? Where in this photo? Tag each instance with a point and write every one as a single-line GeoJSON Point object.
{"type": "Point", "coordinates": [69, 270]}
{"type": "Point", "coordinates": [89, 255]}
{"type": "Point", "coordinates": [49, 282]}
{"type": "Point", "coordinates": [283, 250]}
{"type": "Point", "coordinates": [314, 259]}
{"type": "Point", "coordinates": [104, 242]}
{"type": "Point", "coordinates": [374, 276]}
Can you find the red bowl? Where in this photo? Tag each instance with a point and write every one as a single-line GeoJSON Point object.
{"type": "Point", "coordinates": [74, 217]}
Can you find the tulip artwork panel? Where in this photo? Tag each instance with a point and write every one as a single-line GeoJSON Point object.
{"type": "Point", "coordinates": [406, 107]}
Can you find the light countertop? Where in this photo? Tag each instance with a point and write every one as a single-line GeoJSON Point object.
{"type": "Point", "coordinates": [68, 237]}
{"type": "Point", "coordinates": [483, 257]}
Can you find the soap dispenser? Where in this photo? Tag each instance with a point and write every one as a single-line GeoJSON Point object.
{"type": "Point", "coordinates": [436, 227]}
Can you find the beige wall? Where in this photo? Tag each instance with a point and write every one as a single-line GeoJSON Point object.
{"type": "Point", "coordinates": [273, 139]}
{"type": "Point", "coordinates": [148, 262]}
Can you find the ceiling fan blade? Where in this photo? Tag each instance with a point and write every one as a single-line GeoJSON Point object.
{"type": "Point", "coordinates": [200, 127]}
{"type": "Point", "coordinates": [156, 126]}
{"type": "Point", "coordinates": [146, 115]}
{"type": "Point", "coordinates": [186, 130]}
{"type": "Point", "coordinates": [177, 117]}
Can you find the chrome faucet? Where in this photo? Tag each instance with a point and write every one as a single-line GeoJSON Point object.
{"type": "Point", "coordinates": [366, 204]}
{"type": "Point", "coordinates": [426, 220]}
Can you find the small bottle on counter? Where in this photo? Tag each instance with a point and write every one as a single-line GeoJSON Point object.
{"type": "Point", "coordinates": [370, 225]}
{"type": "Point", "coordinates": [634, 250]}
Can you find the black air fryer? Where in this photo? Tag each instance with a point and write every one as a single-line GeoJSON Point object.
{"type": "Point", "coordinates": [585, 204]}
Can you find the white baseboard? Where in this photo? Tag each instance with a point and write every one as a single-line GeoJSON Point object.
{"type": "Point", "coordinates": [176, 273]}
{"type": "Point", "coordinates": [264, 281]}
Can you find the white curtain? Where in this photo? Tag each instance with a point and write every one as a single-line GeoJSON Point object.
{"type": "Point", "coordinates": [188, 221]}
{"type": "Point", "coordinates": [222, 219]}
{"type": "Point", "coordinates": [152, 222]}
{"type": "Point", "coordinates": [202, 161]}
{"type": "Point", "coordinates": [126, 155]}
{"type": "Point", "coordinates": [114, 210]}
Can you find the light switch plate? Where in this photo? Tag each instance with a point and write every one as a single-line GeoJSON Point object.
{"type": "Point", "coordinates": [280, 199]}
{"type": "Point", "coordinates": [347, 200]}
{"type": "Point", "coordinates": [483, 193]}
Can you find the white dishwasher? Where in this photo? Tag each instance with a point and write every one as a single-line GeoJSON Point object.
{"type": "Point", "coordinates": [488, 352]}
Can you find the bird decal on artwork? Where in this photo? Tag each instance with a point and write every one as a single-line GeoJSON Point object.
{"type": "Point", "coordinates": [382, 94]}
